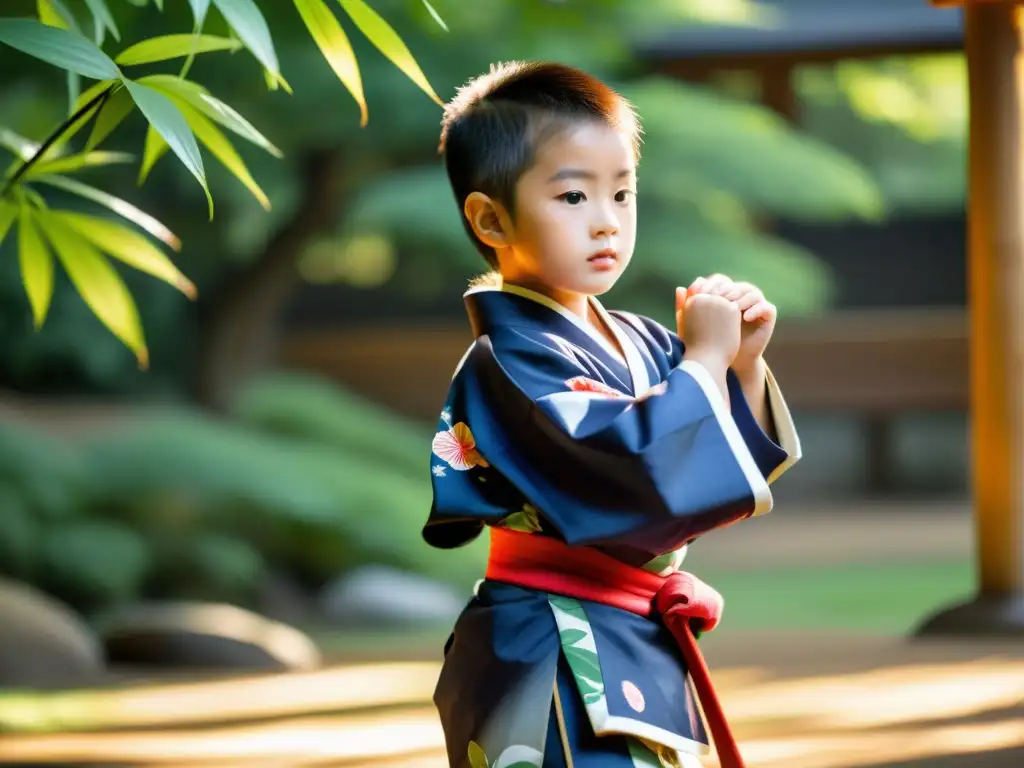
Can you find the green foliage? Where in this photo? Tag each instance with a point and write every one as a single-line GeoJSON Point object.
{"type": "Point", "coordinates": [19, 534]}
{"type": "Point", "coordinates": [302, 407]}
{"type": "Point", "coordinates": [770, 166]}
{"type": "Point", "coordinates": [306, 506]}
{"type": "Point", "coordinates": [47, 475]}
{"type": "Point", "coordinates": [903, 118]}
{"type": "Point", "coordinates": [92, 563]}
{"type": "Point", "coordinates": [313, 482]}
{"type": "Point", "coordinates": [178, 114]}
{"type": "Point", "coordinates": [311, 507]}
{"type": "Point", "coordinates": [60, 47]}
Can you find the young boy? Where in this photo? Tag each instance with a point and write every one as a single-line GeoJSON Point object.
{"type": "Point", "coordinates": [595, 445]}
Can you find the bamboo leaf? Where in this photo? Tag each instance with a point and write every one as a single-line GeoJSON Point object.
{"type": "Point", "coordinates": [77, 162]}
{"type": "Point", "coordinates": [103, 19]}
{"type": "Point", "coordinates": [246, 19]}
{"type": "Point", "coordinates": [332, 41]}
{"type": "Point", "coordinates": [74, 89]}
{"type": "Point", "coordinates": [53, 13]}
{"type": "Point", "coordinates": [36, 266]}
{"type": "Point", "coordinates": [159, 5]}
{"type": "Point", "coordinates": [173, 47]}
{"type": "Point", "coordinates": [278, 81]}
{"type": "Point", "coordinates": [154, 149]}
{"type": "Point", "coordinates": [19, 145]}
{"type": "Point", "coordinates": [197, 96]}
{"type": "Point", "coordinates": [59, 47]}
{"type": "Point", "coordinates": [199, 10]}
{"type": "Point", "coordinates": [380, 33]}
{"type": "Point", "coordinates": [56, 9]}
{"type": "Point", "coordinates": [221, 148]}
{"type": "Point", "coordinates": [121, 207]}
{"type": "Point", "coordinates": [98, 283]}
{"type": "Point", "coordinates": [130, 247]}
{"type": "Point", "coordinates": [167, 119]}
{"type": "Point", "coordinates": [8, 213]}
{"type": "Point", "coordinates": [113, 113]}
{"type": "Point", "coordinates": [436, 15]}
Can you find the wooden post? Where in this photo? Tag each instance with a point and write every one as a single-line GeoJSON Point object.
{"type": "Point", "coordinates": [995, 59]}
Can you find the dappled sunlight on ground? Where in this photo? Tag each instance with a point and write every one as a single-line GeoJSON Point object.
{"type": "Point", "coordinates": [380, 715]}
{"type": "Point", "coordinates": [331, 690]}
{"type": "Point", "coordinates": [339, 737]}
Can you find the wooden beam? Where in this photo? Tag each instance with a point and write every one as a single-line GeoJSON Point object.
{"type": "Point", "coordinates": [995, 59]}
{"type": "Point", "coordinates": [962, 3]}
{"type": "Point", "coordinates": [778, 92]}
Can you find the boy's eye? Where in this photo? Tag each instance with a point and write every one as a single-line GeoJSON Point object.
{"type": "Point", "coordinates": [623, 195]}
{"type": "Point", "coordinates": [573, 198]}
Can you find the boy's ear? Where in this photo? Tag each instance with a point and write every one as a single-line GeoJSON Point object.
{"type": "Point", "coordinates": [489, 220]}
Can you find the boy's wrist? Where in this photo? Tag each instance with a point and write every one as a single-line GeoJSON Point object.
{"type": "Point", "coordinates": [709, 356]}
{"type": "Point", "coordinates": [750, 370]}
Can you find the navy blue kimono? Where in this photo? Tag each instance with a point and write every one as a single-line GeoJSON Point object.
{"type": "Point", "coordinates": [548, 429]}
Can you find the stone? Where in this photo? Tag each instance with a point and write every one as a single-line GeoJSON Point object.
{"type": "Point", "coordinates": [43, 642]}
{"type": "Point", "coordinates": [282, 598]}
{"type": "Point", "coordinates": [992, 616]}
{"type": "Point", "coordinates": [377, 594]}
{"type": "Point", "coordinates": [194, 635]}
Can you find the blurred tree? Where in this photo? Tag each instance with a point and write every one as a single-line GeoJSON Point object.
{"type": "Point", "coordinates": [903, 118]}
{"type": "Point", "coordinates": [714, 163]}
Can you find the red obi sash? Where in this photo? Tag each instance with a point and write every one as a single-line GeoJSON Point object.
{"type": "Point", "coordinates": [547, 565]}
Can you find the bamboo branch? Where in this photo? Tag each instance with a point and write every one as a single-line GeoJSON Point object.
{"type": "Point", "coordinates": [54, 137]}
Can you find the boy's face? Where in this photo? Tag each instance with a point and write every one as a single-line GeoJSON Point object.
{"type": "Point", "coordinates": [575, 215]}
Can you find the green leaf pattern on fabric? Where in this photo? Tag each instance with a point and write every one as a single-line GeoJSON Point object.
{"type": "Point", "coordinates": [477, 757]}
{"type": "Point", "coordinates": [670, 562]}
{"type": "Point", "coordinates": [515, 756]}
{"type": "Point", "coordinates": [579, 647]}
{"type": "Point", "coordinates": [526, 520]}
{"type": "Point", "coordinates": [652, 755]}
{"type": "Point", "coordinates": [580, 650]}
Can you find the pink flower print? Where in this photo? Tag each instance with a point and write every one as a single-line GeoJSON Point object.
{"type": "Point", "coordinates": [583, 384]}
{"type": "Point", "coordinates": [457, 447]}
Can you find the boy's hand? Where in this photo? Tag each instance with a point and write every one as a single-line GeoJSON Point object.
{"type": "Point", "coordinates": [709, 326]}
{"type": "Point", "coordinates": [758, 316]}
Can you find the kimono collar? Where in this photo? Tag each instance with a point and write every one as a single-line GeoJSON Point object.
{"type": "Point", "coordinates": [507, 313]}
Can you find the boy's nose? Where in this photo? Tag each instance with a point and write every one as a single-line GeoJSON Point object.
{"type": "Point", "coordinates": [606, 226]}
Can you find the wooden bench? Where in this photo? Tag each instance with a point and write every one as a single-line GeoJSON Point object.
{"type": "Point", "coordinates": [878, 364]}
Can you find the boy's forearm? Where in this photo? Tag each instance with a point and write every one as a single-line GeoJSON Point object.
{"type": "Point", "coordinates": [715, 366]}
{"type": "Point", "coordinates": [754, 383]}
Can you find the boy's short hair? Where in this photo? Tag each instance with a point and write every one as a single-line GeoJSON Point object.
{"type": "Point", "coordinates": [492, 128]}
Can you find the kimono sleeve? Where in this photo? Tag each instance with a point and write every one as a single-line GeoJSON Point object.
{"type": "Point", "coordinates": [772, 458]}
{"type": "Point", "coordinates": [602, 466]}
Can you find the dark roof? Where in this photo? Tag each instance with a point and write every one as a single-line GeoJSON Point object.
{"type": "Point", "coordinates": [815, 30]}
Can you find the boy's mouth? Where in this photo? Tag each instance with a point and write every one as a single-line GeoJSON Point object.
{"type": "Point", "coordinates": [604, 259]}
